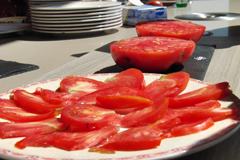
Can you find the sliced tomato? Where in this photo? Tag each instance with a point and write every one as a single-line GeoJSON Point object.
{"type": "Point", "coordinates": [210, 92]}
{"type": "Point", "coordinates": [151, 54]}
{"type": "Point", "coordinates": [89, 117]}
{"type": "Point", "coordinates": [171, 28]}
{"type": "Point", "coordinates": [129, 78]}
{"type": "Point", "coordinates": [78, 83]}
{"type": "Point", "coordinates": [24, 129]}
{"type": "Point", "coordinates": [155, 3]}
{"type": "Point", "coordinates": [113, 91]}
{"type": "Point", "coordinates": [172, 113]}
{"type": "Point", "coordinates": [122, 102]}
{"type": "Point", "coordinates": [147, 115]}
{"type": "Point", "coordinates": [10, 111]}
{"type": "Point", "coordinates": [169, 85]}
{"type": "Point", "coordinates": [133, 139]}
{"type": "Point", "coordinates": [32, 102]}
{"type": "Point", "coordinates": [67, 140]}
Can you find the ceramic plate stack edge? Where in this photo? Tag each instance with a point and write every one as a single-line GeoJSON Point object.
{"type": "Point", "coordinates": [75, 16]}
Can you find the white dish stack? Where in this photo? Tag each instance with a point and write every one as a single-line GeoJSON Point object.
{"type": "Point", "coordinates": [75, 16]}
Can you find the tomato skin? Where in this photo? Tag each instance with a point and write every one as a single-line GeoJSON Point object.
{"type": "Point", "coordinates": [211, 92]}
{"type": "Point", "coordinates": [32, 102]}
{"type": "Point", "coordinates": [171, 28]}
{"type": "Point", "coordinates": [151, 54]}
{"type": "Point", "coordinates": [147, 115]}
{"type": "Point", "coordinates": [89, 117]}
{"type": "Point", "coordinates": [133, 139]}
{"type": "Point", "coordinates": [10, 111]}
{"type": "Point", "coordinates": [169, 85]}
{"type": "Point", "coordinates": [77, 83]}
{"type": "Point", "coordinates": [129, 78]}
{"type": "Point", "coordinates": [155, 3]}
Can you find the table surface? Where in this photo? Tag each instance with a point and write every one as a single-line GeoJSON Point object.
{"type": "Point", "coordinates": [59, 56]}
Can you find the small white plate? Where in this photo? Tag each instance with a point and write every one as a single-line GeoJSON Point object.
{"type": "Point", "coordinates": [13, 27]}
{"type": "Point", "coordinates": [76, 5]}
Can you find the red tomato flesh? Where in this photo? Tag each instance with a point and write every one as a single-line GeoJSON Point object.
{"type": "Point", "coordinates": [171, 28]}
{"type": "Point", "coordinates": [151, 54]}
{"type": "Point", "coordinates": [155, 3]}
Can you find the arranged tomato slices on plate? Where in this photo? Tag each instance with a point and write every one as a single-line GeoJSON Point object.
{"type": "Point", "coordinates": [117, 117]}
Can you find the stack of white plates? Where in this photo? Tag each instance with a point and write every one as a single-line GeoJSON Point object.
{"type": "Point", "coordinates": [76, 16]}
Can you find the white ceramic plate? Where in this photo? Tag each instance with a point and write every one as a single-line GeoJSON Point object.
{"type": "Point", "coordinates": [77, 31]}
{"type": "Point", "coordinates": [169, 148]}
{"type": "Point", "coordinates": [78, 21]}
{"type": "Point", "coordinates": [76, 11]}
{"type": "Point", "coordinates": [77, 24]}
{"type": "Point", "coordinates": [76, 18]}
{"type": "Point", "coordinates": [77, 14]}
{"type": "Point", "coordinates": [13, 27]}
{"type": "Point", "coordinates": [76, 5]}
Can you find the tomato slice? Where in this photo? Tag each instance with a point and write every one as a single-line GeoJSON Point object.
{"type": "Point", "coordinates": [147, 115]}
{"type": "Point", "coordinates": [89, 117]}
{"type": "Point", "coordinates": [211, 92]}
{"type": "Point", "coordinates": [113, 91]}
{"type": "Point", "coordinates": [67, 140]}
{"type": "Point", "coordinates": [169, 85]}
{"type": "Point", "coordinates": [129, 78]}
{"type": "Point", "coordinates": [151, 54]}
{"type": "Point", "coordinates": [77, 83]}
{"type": "Point", "coordinates": [155, 3]}
{"type": "Point", "coordinates": [171, 28]}
{"type": "Point", "coordinates": [24, 129]}
{"type": "Point", "coordinates": [33, 102]}
{"type": "Point", "coordinates": [133, 139]}
{"type": "Point", "coordinates": [10, 111]}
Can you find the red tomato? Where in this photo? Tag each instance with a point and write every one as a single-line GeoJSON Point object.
{"type": "Point", "coordinates": [129, 78]}
{"type": "Point", "coordinates": [151, 54]}
{"type": "Point", "coordinates": [24, 129]}
{"type": "Point", "coordinates": [67, 140]}
{"type": "Point", "coordinates": [155, 3]}
{"type": "Point", "coordinates": [33, 102]}
{"type": "Point", "coordinates": [77, 83]}
{"type": "Point", "coordinates": [147, 115]}
{"type": "Point", "coordinates": [113, 91]}
{"type": "Point", "coordinates": [9, 111]}
{"type": "Point", "coordinates": [89, 117]}
{"type": "Point", "coordinates": [171, 28]}
{"type": "Point", "coordinates": [168, 85]}
{"type": "Point", "coordinates": [211, 92]}
{"type": "Point", "coordinates": [138, 138]}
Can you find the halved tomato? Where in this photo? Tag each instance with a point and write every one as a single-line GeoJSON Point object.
{"type": "Point", "coordinates": [78, 83]}
{"type": "Point", "coordinates": [169, 85]}
{"type": "Point", "coordinates": [152, 53]}
{"type": "Point", "coordinates": [210, 92]}
{"type": "Point", "coordinates": [89, 117]}
{"type": "Point", "coordinates": [10, 111]}
{"type": "Point", "coordinates": [171, 28]}
{"type": "Point", "coordinates": [147, 115]}
{"type": "Point", "coordinates": [129, 78]}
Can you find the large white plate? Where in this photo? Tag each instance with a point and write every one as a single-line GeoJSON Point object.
{"type": "Point", "coordinates": [77, 31]}
{"type": "Point", "coordinates": [76, 5]}
{"type": "Point", "coordinates": [169, 148]}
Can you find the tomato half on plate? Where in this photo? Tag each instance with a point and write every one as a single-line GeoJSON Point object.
{"type": "Point", "coordinates": [151, 54]}
{"type": "Point", "coordinates": [89, 117]}
{"type": "Point", "coordinates": [171, 28]}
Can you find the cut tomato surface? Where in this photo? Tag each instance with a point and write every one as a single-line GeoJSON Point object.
{"type": "Point", "coordinates": [171, 28]}
{"type": "Point", "coordinates": [24, 129]}
{"type": "Point", "coordinates": [210, 92]}
{"type": "Point", "coordinates": [33, 102]}
{"type": "Point", "coordinates": [151, 54]}
{"type": "Point", "coordinates": [77, 83]}
{"type": "Point", "coordinates": [129, 78]}
{"type": "Point", "coordinates": [169, 85]}
{"type": "Point", "coordinates": [67, 140]}
{"type": "Point", "coordinates": [10, 111]}
{"type": "Point", "coordinates": [89, 117]}
{"type": "Point", "coordinates": [147, 115]}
